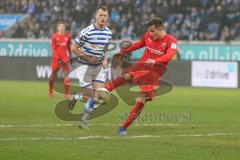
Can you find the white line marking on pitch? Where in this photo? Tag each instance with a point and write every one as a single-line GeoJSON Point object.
{"type": "Point", "coordinates": [108, 124]}
{"type": "Point", "coordinates": [72, 124]}
{"type": "Point", "coordinates": [116, 137]}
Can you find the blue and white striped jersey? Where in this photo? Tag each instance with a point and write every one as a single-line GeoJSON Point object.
{"type": "Point", "coordinates": [94, 42]}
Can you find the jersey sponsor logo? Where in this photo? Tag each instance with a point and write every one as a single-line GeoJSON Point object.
{"type": "Point", "coordinates": [163, 45]}
{"type": "Point", "coordinates": [93, 46]}
{"type": "Point", "coordinates": [174, 46]}
{"type": "Point", "coordinates": [80, 36]}
{"type": "Point", "coordinates": [63, 44]}
{"type": "Point", "coordinates": [154, 51]}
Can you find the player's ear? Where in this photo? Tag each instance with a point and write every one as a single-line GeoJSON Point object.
{"type": "Point", "coordinates": [95, 15]}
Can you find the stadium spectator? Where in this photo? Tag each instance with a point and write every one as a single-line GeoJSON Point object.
{"type": "Point", "coordinates": [186, 20]}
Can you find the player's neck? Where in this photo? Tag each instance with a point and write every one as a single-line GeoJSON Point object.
{"type": "Point", "coordinates": [61, 33]}
{"type": "Point", "coordinates": [100, 27]}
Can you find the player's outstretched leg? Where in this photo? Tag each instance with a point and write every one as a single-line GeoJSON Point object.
{"type": "Point", "coordinates": [119, 81]}
{"type": "Point", "coordinates": [91, 104]}
{"type": "Point", "coordinates": [88, 108]}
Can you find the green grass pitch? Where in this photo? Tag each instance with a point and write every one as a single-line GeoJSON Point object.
{"type": "Point", "coordinates": [30, 130]}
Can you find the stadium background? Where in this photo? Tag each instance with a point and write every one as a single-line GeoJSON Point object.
{"type": "Point", "coordinates": [208, 58]}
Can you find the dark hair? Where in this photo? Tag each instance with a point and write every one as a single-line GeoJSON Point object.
{"type": "Point", "coordinates": [157, 22]}
{"type": "Point", "coordinates": [60, 22]}
{"type": "Point", "coordinates": [104, 8]}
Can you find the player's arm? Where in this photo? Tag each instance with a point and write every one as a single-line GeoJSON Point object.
{"type": "Point", "coordinates": [54, 45]}
{"type": "Point", "coordinates": [105, 60]}
{"type": "Point", "coordinates": [171, 51]}
{"type": "Point", "coordinates": [135, 46]}
{"type": "Point", "coordinates": [78, 43]}
{"type": "Point", "coordinates": [75, 48]}
{"type": "Point", "coordinates": [127, 50]}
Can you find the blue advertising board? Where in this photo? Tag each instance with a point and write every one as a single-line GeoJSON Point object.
{"type": "Point", "coordinates": [186, 51]}
{"type": "Point", "coordinates": [7, 20]}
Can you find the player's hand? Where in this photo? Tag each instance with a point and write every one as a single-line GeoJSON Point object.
{"type": "Point", "coordinates": [150, 62]}
{"type": "Point", "coordinates": [90, 59]}
{"type": "Point", "coordinates": [80, 54]}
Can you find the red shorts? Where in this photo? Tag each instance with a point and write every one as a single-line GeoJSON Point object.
{"type": "Point", "coordinates": [60, 61]}
{"type": "Point", "coordinates": [148, 78]}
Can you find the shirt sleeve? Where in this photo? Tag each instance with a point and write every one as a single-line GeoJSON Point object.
{"type": "Point", "coordinates": [137, 45]}
{"type": "Point", "coordinates": [171, 51]}
{"type": "Point", "coordinates": [81, 38]}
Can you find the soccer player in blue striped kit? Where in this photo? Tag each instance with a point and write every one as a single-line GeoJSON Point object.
{"type": "Point", "coordinates": [90, 46]}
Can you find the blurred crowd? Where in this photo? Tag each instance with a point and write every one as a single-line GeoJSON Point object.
{"type": "Point", "coordinates": [185, 19]}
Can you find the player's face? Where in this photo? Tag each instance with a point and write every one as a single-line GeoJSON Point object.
{"type": "Point", "coordinates": [155, 32]}
{"type": "Point", "coordinates": [101, 17]}
{"type": "Point", "coordinates": [61, 28]}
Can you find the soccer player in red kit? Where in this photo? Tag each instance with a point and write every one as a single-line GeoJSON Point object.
{"type": "Point", "coordinates": [60, 43]}
{"type": "Point", "coordinates": [160, 48]}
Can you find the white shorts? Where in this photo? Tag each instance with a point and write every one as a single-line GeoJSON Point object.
{"type": "Point", "coordinates": [89, 74]}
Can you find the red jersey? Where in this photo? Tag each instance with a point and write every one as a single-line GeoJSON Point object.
{"type": "Point", "coordinates": [60, 45]}
{"type": "Point", "coordinates": [162, 50]}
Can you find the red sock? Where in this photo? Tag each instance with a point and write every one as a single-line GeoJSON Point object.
{"type": "Point", "coordinates": [50, 82]}
{"type": "Point", "coordinates": [111, 85]}
{"type": "Point", "coordinates": [66, 85]}
{"type": "Point", "coordinates": [136, 110]}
